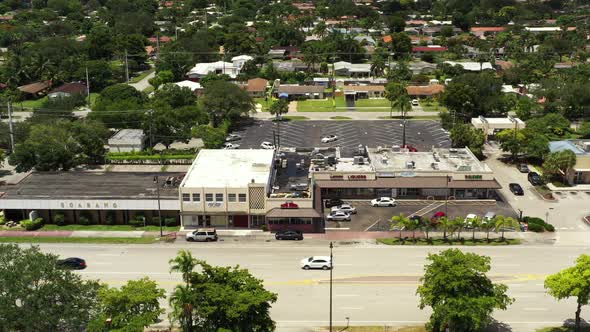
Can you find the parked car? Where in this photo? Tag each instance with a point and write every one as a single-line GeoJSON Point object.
{"type": "Point", "coordinates": [489, 216]}
{"type": "Point", "coordinates": [230, 146]}
{"type": "Point", "coordinates": [316, 262]}
{"type": "Point", "coordinates": [523, 168]}
{"type": "Point", "coordinates": [383, 201]}
{"type": "Point", "coordinates": [468, 222]}
{"type": "Point", "coordinates": [71, 263]}
{"type": "Point", "coordinates": [439, 214]}
{"type": "Point", "coordinates": [345, 208]}
{"type": "Point", "coordinates": [289, 205]}
{"type": "Point", "coordinates": [289, 235]}
{"type": "Point", "coordinates": [338, 216]}
{"type": "Point", "coordinates": [202, 235]}
{"type": "Point", "coordinates": [535, 179]}
{"type": "Point", "coordinates": [516, 189]}
{"type": "Point", "coordinates": [334, 202]}
{"type": "Point", "coordinates": [415, 102]}
{"type": "Point", "coordinates": [329, 138]}
{"type": "Point", "coordinates": [233, 137]}
{"type": "Point", "coordinates": [267, 145]}
{"type": "Point", "coordinates": [410, 148]}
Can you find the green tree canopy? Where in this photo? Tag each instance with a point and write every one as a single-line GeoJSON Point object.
{"type": "Point", "coordinates": [224, 100]}
{"type": "Point", "coordinates": [464, 135]}
{"type": "Point", "coordinates": [572, 282]}
{"type": "Point", "coordinates": [559, 163]}
{"type": "Point", "coordinates": [120, 106]}
{"type": "Point", "coordinates": [460, 294]}
{"type": "Point", "coordinates": [472, 95]}
{"type": "Point", "coordinates": [38, 296]}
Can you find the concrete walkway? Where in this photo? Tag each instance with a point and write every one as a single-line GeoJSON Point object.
{"type": "Point", "coordinates": [143, 84]}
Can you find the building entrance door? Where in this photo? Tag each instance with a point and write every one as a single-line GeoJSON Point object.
{"type": "Point", "coordinates": [241, 221]}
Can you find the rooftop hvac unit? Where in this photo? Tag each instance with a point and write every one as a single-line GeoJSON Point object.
{"type": "Point", "coordinates": [331, 160]}
{"type": "Point", "coordinates": [453, 150]}
{"type": "Point", "coordinates": [284, 163]}
{"type": "Point", "coordinates": [395, 148]}
{"type": "Point", "coordinates": [358, 160]}
{"type": "Point", "coordinates": [434, 166]}
{"type": "Point", "coordinates": [436, 157]}
{"type": "Point", "coordinates": [410, 165]}
{"type": "Point", "coordinates": [384, 159]}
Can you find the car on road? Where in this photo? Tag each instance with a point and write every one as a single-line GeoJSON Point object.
{"type": "Point", "coordinates": [523, 168]}
{"type": "Point", "coordinates": [233, 137]}
{"type": "Point", "coordinates": [316, 262]}
{"type": "Point", "coordinates": [202, 235]}
{"type": "Point", "coordinates": [267, 145]}
{"type": "Point", "coordinates": [329, 138]}
{"type": "Point", "coordinates": [71, 263]}
{"type": "Point", "coordinates": [338, 216]}
{"type": "Point", "coordinates": [334, 202]}
{"type": "Point", "coordinates": [415, 102]}
{"type": "Point", "coordinates": [345, 208]}
{"type": "Point", "coordinates": [383, 201]}
{"type": "Point", "coordinates": [289, 235]}
{"type": "Point", "coordinates": [516, 189]}
{"type": "Point", "coordinates": [535, 179]}
{"type": "Point", "coordinates": [230, 146]}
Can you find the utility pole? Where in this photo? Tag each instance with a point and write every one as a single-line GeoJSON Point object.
{"type": "Point", "coordinates": [126, 68]}
{"type": "Point", "coordinates": [151, 115]}
{"type": "Point", "coordinates": [10, 125]}
{"type": "Point", "coordinates": [331, 269]}
{"type": "Point", "coordinates": [87, 87]}
{"type": "Point", "coordinates": [157, 182]}
{"type": "Point", "coordinates": [158, 44]}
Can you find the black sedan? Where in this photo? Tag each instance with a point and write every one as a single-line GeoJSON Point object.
{"type": "Point", "coordinates": [516, 189]}
{"type": "Point", "coordinates": [289, 235]}
{"type": "Point", "coordinates": [71, 263]}
{"type": "Point", "coordinates": [535, 179]}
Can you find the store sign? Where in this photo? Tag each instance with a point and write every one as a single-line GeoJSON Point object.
{"type": "Point", "coordinates": [336, 177]}
{"type": "Point", "coordinates": [357, 177]}
{"type": "Point", "coordinates": [88, 205]}
{"type": "Point", "coordinates": [214, 204]}
{"type": "Point", "coordinates": [473, 177]}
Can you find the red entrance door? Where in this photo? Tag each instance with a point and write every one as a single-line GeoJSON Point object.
{"type": "Point", "coordinates": [241, 221]}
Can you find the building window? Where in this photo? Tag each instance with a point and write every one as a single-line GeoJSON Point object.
{"type": "Point", "coordinates": [209, 197]}
{"type": "Point", "coordinates": [242, 198]}
{"type": "Point", "coordinates": [196, 197]}
{"type": "Point", "coordinates": [186, 197]}
{"type": "Point", "coordinates": [219, 197]}
{"type": "Point", "coordinates": [231, 197]}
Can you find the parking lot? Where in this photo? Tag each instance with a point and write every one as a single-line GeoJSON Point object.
{"type": "Point", "coordinates": [370, 218]}
{"type": "Point", "coordinates": [421, 134]}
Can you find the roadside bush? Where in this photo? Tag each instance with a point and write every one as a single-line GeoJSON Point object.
{"type": "Point", "coordinates": [536, 228]}
{"type": "Point", "coordinates": [59, 219]}
{"type": "Point", "coordinates": [110, 218]}
{"type": "Point", "coordinates": [31, 225]}
{"type": "Point", "coordinates": [538, 224]}
{"type": "Point", "coordinates": [2, 219]}
{"type": "Point", "coordinates": [136, 222]}
{"type": "Point", "coordinates": [155, 221]}
{"type": "Point", "coordinates": [171, 222]}
{"type": "Point", "coordinates": [264, 228]}
{"type": "Point", "coordinates": [84, 219]}
{"type": "Point", "coordinates": [549, 227]}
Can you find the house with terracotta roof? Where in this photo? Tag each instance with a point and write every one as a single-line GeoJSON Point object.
{"type": "Point", "coordinates": [68, 90]}
{"type": "Point", "coordinates": [418, 50]}
{"type": "Point", "coordinates": [482, 32]}
{"type": "Point", "coordinates": [256, 87]}
{"type": "Point", "coordinates": [162, 39]}
{"type": "Point", "coordinates": [424, 91]}
{"type": "Point", "coordinates": [363, 91]}
{"type": "Point", "coordinates": [36, 89]}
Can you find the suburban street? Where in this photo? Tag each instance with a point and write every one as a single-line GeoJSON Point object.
{"type": "Point", "coordinates": [373, 284]}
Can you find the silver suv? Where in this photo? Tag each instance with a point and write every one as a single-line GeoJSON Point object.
{"type": "Point", "coordinates": [202, 235]}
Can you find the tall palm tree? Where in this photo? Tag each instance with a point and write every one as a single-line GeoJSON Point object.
{"type": "Point", "coordinates": [184, 262]}
{"type": "Point", "coordinates": [401, 221]}
{"type": "Point", "coordinates": [488, 225]}
{"type": "Point", "coordinates": [447, 225]}
{"type": "Point", "coordinates": [459, 224]}
{"type": "Point", "coordinates": [475, 224]}
{"type": "Point", "coordinates": [502, 223]}
{"type": "Point", "coordinates": [182, 302]}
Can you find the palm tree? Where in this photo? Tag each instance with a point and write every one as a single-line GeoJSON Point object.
{"type": "Point", "coordinates": [181, 302]}
{"type": "Point", "coordinates": [427, 224]}
{"type": "Point", "coordinates": [488, 225]}
{"type": "Point", "coordinates": [184, 262]}
{"type": "Point", "coordinates": [414, 224]}
{"type": "Point", "coordinates": [401, 222]}
{"type": "Point", "coordinates": [475, 223]}
{"type": "Point", "coordinates": [505, 222]}
{"type": "Point", "coordinates": [447, 225]}
{"type": "Point", "coordinates": [458, 223]}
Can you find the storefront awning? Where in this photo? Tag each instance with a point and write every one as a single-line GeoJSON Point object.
{"type": "Point", "coordinates": [422, 182]}
{"type": "Point", "coordinates": [293, 213]}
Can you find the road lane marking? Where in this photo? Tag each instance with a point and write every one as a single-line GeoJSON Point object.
{"type": "Point", "coordinates": [536, 309]}
{"type": "Point", "coordinates": [351, 308]}
{"type": "Point", "coordinates": [346, 295]}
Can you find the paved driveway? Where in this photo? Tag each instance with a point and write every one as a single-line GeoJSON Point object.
{"type": "Point", "coordinates": [421, 134]}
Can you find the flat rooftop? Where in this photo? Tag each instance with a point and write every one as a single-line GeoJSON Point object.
{"type": "Point", "coordinates": [127, 135]}
{"type": "Point", "coordinates": [91, 185]}
{"type": "Point", "coordinates": [294, 172]}
{"type": "Point", "coordinates": [229, 168]}
{"type": "Point", "coordinates": [498, 121]}
{"type": "Point", "coordinates": [444, 160]}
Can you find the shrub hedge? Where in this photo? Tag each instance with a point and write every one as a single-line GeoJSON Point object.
{"type": "Point", "coordinates": [31, 225]}
{"type": "Point", "coordinates": [538, 225]}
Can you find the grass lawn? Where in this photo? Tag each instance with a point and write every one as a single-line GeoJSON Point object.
{"type": "Point", "coordinates": [110, 240]}
{"type": "Point", "coordinates": [360, 103]}
{"type": "Point", "coordinates": [448, 242]}
{"type": "Point", "coordinates": [141, 76]}
{"type": "Point", "coordinates": [340, 118]}
{"type": "Point", "coordinates": [433, 106]}
{"type": "Point", "coordinates": [30, 103]}
{"type": "Point", "coordinates": [50, 227]}
{"type": "Point", "coordinates": [322, 105]}
{"type": "Point", "coordinates": [379, 329]}
{"type": "Point", "coordinates": [265, 103]}
{"type": "Point", "coordinates": [564, 329]}
{"type": "Point", "coordinates": [149, 89]}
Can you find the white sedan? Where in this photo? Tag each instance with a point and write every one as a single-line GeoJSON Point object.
{"type": "Point", "coordinates": [230, 146]}
{"type": "Point", "coordinates": [383, 201]}
{"type": "Point", "coordinates": [344, 208]}
{"type": "Point", "coordinates": [267, 145]}
{"type": "Point", "coordinates": [338, 216]}
{"type": "Point", "coordinates": [316, 262]}
{"type": "Point", "coordinates": [329, 138]}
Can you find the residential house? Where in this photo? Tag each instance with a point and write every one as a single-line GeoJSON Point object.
{"type": "Point", "coordinates": [240, 60]}
{"type": "Point", "coordinates": [580, 173]}
{"type": "Point", "coordinates": [363, 91]}
{"type": "Point", "coordinates": [343, 68]}
{"type": "Point", "coordinates": [195, 87]}
{"type": "Point", "coordinates": [542, 29]}
{"type": "Point", "coordinates": [483, 32]}
{"type": "Point", "coordinates": [472, 66]}
{"type": "Point", "coordinates": [68, 90]}
{"type": "Point", "coordinates": [491, 126]}
{"type": "Point", "coordinates": [127, 140]}
{"type": "Point", "coordinates": [416, 40]}
{"type": "Point", "coordinates": [36, 89]}
{"type": "Point", "coordinates": [159, 40]}
{"type": "Point", "coordinates": [419, 50]}
{"type": "Point", "coordinates": [424, 91]}
{"type": "Point", "coordinates": [304, 7]}
{"type": "Point", "coordinates": [256, 87]}
{"type": "Point", "coordinates": [422, 67]}
{"type": "Point", "coordinates": [502, 65]}
{"type": "Point", "coordinates": [291, 65]}
{"type": "Point", "coordinates": [201, 70]}
{"type": "Point", "coordinates": [294, 91]}
{"type": "Point", "coordinates": [365, 40]}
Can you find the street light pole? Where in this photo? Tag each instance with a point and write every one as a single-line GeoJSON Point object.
{"type": "Point", "coordinates": [331, 269]}
{"type": "Point", "coordinates": [157, 182]}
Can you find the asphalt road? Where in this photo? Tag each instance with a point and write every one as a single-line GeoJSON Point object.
{"type": "Point", "coordinates": [374, 285]}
